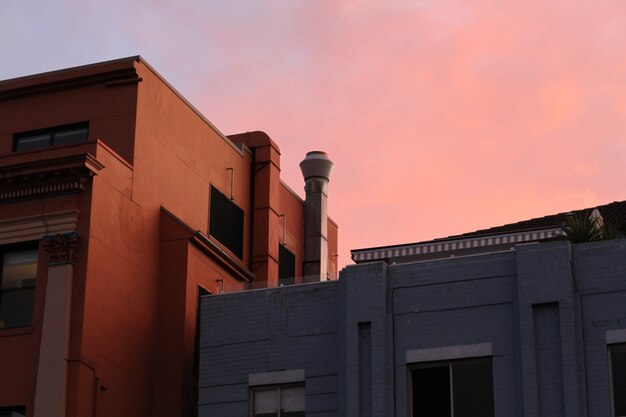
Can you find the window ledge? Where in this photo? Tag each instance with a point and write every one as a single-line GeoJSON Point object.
{"type": "Point", "coordinates": [276, 377]}
{"type": "Point", "coordinates": [449, 353]}
{"type": "Point", "coordinates": [615, 336]}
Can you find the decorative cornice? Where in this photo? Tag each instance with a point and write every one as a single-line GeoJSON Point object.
{"type": "Point", "coordinates": [108, 78]}
{"type": "Point", "coordinates": [447, 247]}
{"type": "Point", "coordinates": [44, 177]}
{"type": "Point", "coordinates": [61, 248]}
{"type": "Point", "coordinates": [38, 189]}
{"type": "Point", "coordinates": [43, 165]}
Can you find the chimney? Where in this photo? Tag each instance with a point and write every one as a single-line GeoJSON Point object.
{"type": "Point", "coordinates": [316, 169]}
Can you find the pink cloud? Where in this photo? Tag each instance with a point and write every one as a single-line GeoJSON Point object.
{"type": "Point", "coordinates": [441, 116]}
{"type": "Point", "coordinates": [444, 121]}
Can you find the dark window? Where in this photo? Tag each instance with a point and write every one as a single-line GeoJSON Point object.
{"type": "Point", "coordinates": [19, 411]}
{"type": "Point", "coordinates": [17, 289]}
{"type": "Point", "coordinates": [278, 401]}
{"type": "Point", "coordinates": [60, 135]}
{"type": "Point", "coordinates": [226, 222]}
{"type": "Point", "coordinates": [453, 389]}
{"type": "Point", "coordinates": [618, 375]}
{"type": "Point", "coordinates": [286, 266]}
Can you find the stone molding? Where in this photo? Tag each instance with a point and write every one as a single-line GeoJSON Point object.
{"type": "Point", "coordinates": [40, 178]}
{"type": "Point", "coordinates": [615, 336]}
{"type": "Point", "coordinates": [23, 229]}
{"type": "Point", "coordinates": [446, 353]}
{"type": "Point", "coordinates": [276, 377]}
{"type": "Point", "coordinates": [61, 248]}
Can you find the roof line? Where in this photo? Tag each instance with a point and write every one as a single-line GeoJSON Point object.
{"type": "Point", "coordinates": [486, 233]}
{"type": "Point", "coordinates": [191, 106]}
{"type": "Point", "coordinates": [74, 68]}
{"type": "Point", "coordinates": [133, 58]}
{"type": "Point", "coordinates": [454, 238]}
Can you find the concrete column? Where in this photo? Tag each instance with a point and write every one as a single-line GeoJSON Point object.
{"type": "Point", "coordinates": [367, 361]}
{"type": "Point", "coordinates": [316, 169]}
{"type": "Point", "coordinates": [553, 375]}
{"type": "Point", "coordinates": [51, 389]}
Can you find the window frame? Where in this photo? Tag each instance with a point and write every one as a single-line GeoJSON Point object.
{"type": "Point", "coordinates": [619, 347]}
{"type": "Point", "coordinates": [449, 363]}
{"type": "Point", "coordinates": [52, 132]}
{"type": "Point", "coordinates": [277, 388]}
{"type": "Point", "coordinates": [19, 247]}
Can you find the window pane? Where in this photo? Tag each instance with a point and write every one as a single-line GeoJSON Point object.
{"type": "Point", "coordinates": [19, 269]}
{"type": "Point", "coordinates": [17, 292]}
{"type": "Point", "coordinates": [265, 403]}
{"type": "Point", "coordinates": [618, 374]}
{"type": "Point", "coordinates": [286, 266]}
{"type": "Point", "coordinates": [16, 308]}
{"type": "Point", "coordinates": [43, 138]}
{"type": "Point", "coordinates": [226, 222]}
{"type": "Point", "coordinates": [472, 385]}
{"type": "Point", "coordinates": [13, 411]}
{"type": "Point", "coordinates": [70, 135]}
{"type": "Point", "coordinates": [292, 402]}
{"type": "Point", "coordinates": [30, 142]}
{"type": "Point", "coordinates": [431, 392]}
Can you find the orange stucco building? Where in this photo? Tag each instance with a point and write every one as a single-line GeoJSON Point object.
{"type": "Point", "coordinates": [120, 204]}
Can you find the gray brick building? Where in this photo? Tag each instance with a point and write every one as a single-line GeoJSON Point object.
{"type": "Point", "coordinates": [536, 331]}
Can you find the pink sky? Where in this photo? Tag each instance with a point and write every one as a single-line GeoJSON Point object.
{"type": "Point", "coordinates": [442, 117]}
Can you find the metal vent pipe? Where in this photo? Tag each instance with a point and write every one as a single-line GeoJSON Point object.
{"type": "Point", "coordinates": [316, 169]}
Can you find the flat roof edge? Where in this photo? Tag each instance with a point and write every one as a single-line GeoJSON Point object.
{"type": "Point", "coordinates": [451, 239]}
{"type": "Point", "coordinates": [58, 74]}
{"type": "Point", "coordinates": [191, 106]}
{"type": "Point", "coordinates": [64, 74]}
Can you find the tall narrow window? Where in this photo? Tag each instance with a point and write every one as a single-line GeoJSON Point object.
{"type": "Point", "coordinates": [226, 222]}
{"type": "Point", "coordinates": [60, 135]}
{"type": "Point", "coordinates": [461, 388]}
{"type": "Point", "coordinates": [618, 377]}
{"type": "Point", "coordinates": [17, 289]}
{"type": "Point", "coordinates": [286, 266]}
{"type": "Point", "coordinates": [278, 401]}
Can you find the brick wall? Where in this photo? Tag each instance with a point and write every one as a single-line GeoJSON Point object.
{"type": "Point", "coordinates": [543, 313]}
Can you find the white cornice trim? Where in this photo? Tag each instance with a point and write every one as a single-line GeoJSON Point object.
{"type": "Point", "coordinates": [454, 244]}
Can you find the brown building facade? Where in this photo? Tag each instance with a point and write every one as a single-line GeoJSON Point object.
{"type": "Point", "coordinates": [120, 204]}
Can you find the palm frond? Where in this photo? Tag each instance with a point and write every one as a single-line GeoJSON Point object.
{"type": "Point", "coordinates": [579, 228]}
{"type": "Point", "coordinates": [612, 231]}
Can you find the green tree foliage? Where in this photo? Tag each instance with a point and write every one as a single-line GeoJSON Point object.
{"type": "Point", "coordinates": [579, 228]}
{"type": "Point", "coordinates": [611, 231]}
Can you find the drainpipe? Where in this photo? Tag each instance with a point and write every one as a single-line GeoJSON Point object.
{"type": "Point", "coordinates": [316, 169]}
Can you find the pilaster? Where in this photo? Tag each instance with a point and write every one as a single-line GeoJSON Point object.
{"type": "Point", "coordinates": [51, 388]}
